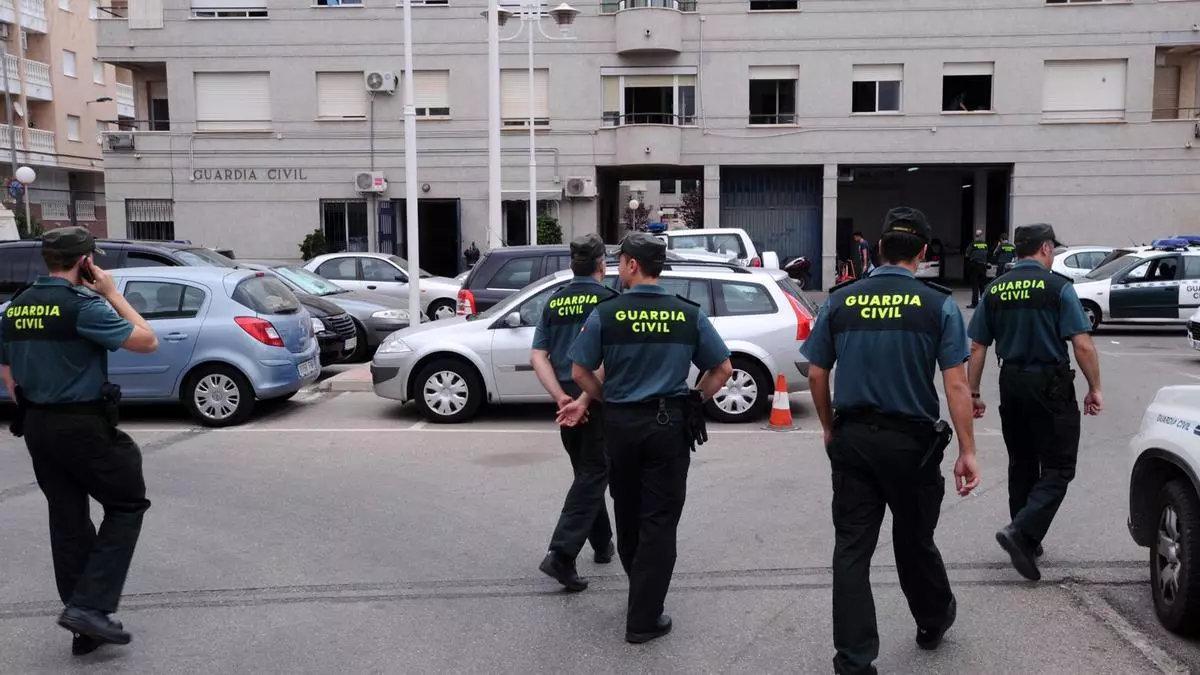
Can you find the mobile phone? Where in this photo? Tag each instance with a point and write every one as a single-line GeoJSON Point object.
{"type": "Point", "coordinates": [85, 272]}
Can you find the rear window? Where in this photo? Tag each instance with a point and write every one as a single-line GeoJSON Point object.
{"type": "Point", "coordinates": [735, 298]}
{"type": "Point", "coordinates": [266, 295]}
{"type": "Point", "coordinates": [789, 286]}
{"type": "Point", "coordinates": [1112, 267]}
{"type": "Point", "coordinates": [14, 264]}
{"type": "Point", "coordinates": [203, 257]}
{"type": "Point", "coordinates": [164, 300]}
{"type": "Point", "coordinates": [515, 274]}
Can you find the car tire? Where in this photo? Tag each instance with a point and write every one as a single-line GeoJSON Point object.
{"type": "Point", "coordinates": [218, 396]}
{"type": "Point", "coordinates": [362, 351]}
{"type": "Point", "coordinates": [745, 397]}
{"type": "Point", "coordinates": [1093, 312]}
{"type": "Point", "coordinates": [442, 309]}
{"type": "Point", "coordinates": [1174, 555]}
{"type": "Point", "coordinates": [448, 391]}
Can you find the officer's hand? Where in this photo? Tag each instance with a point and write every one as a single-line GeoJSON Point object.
{"type": "Point", "coordinates": [828, 438]}
{"type": "Point", "coordinates": [102, 282]}
{"type": "Point", "coordinates": [564, 401]}
{"type": "Point", "coordinates": [979, 408]}
{"type": "Point", "coordinates": [572, 414]}
{"type": "Point", "coordinates": [1093, 403]}
{"type": "Point", "coordinates": [966, 474]}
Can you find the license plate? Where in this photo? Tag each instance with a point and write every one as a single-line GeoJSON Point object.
{"type": "Point", "coordinates": [309, 368]}
{"type": "Point", "coordinates": [351, 344]}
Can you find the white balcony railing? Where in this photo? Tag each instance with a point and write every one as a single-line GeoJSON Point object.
{"type": "Point", "coordinates": [41, 141]}
{"type": "Point", "coordinates": [8, 11]}
{"type": "Point", "coordinates": [33, 16]}
{"type": "Point", "coordinates": [15, 136]}
{"type": "Point", "coordinates": [37, 76]}
{"type": "Point", "coordinates": [125, 107]}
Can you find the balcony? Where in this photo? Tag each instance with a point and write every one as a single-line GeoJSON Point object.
{"type": "Point", "coordinates": [8, 12]}
{"type": "Point", "coordinates": [648, 144]}
{"type": "Point", "coordinates": [33, 16]}
{"type": "Point", "coordinates": [650, 26]}
{"type": "Point", "coordinates": [39, 150]}
{"type": "Point", "coordinates": [125, 106]}
{"type": "Point", "coordinates": [37, 78]}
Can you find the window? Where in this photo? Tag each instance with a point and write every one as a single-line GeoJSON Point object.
{"type": "Point", "coordinates": [56, 209]}
{"type": "Point", "coordinates": [345, 224]}
{"type": "Point", "coordinates": [1176, 95]}
{"type": "Point", "coordinates": [740, 299]}
{"type": "Point", "coordinates": [688, 185]}
{"type": "Point", "coordinates": [338, 3]}
{"type": "Point", "coordinates": [531, 309]}
{"type": "Point", "coordinates": [93, 9]}
{"type": "Point", "coordinates": [97, 72]}
{"type": "Point", "coordinates": [102, 126]}
{"type": "Point", "coordinates": [1191, 267]}
{"type": "Point", "coordinates": [140, 259]}
{"type": "Point", "coordinates": [667, 186]}
{"type": "Point", "coordinates": [1084, 2]}
{"type": "Point", "coordinates": [1158, 269]}
{"type": "Point", "coordinates": [341, 96]}
{"type": "Point", "coordinates": [378, 270]}
{"type": "Point", "coordinates": [877, 88]}
{"type": "Point", "coordinates": [1084, 90]}
{"type": "Point", "coordinates": [229, 9]}
{"type": "Point", "coordinates": [650, 99]}
{"type": "Point", "coordinates": [967, 87]}
{"type": "Point", "coordinates": [431, 92]}
{"type": "Point", "coordinates": [515, 274]}
{"type": "Point", "coordinates": [162, 300]}
{"type": "Point", "coordinates": [150, 219]}
{"type": "Point", "coordinates": [514, 97]}
{"type": "Point", "coordinates": [339, 269]}
{"type": "Point", "coordinates": [773, 94]}
{"type": "Point", "coordinates": [64, 5]}
{"type": "Point", "coordinates": [68, 64]}
{"type": "Point", "coordinates": [713, 243]}
{"type": "Point", "coordinates": [233, 101]}
{"type": "Point", "coordinates": [773, 5]}
{"type": "Point", "coordinates": [73, 128]}
{"type": "Point", "coordinates": [266, 295]}
{"type": "Point", "coordinates": [556, 263]}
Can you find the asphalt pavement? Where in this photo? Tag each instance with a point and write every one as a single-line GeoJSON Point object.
{"type": "Point", "coordinates": [340, 533]}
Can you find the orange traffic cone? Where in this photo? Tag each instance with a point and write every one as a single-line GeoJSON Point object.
{"type": "Point", "coordinates": [781, 408]}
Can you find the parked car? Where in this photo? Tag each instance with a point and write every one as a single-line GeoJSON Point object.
{"type": "Point", "coordinates": [21, 261]}
{"type": "Point", "coordinates": [1193, 334]}
{"type": "Point", "coordinates": [387, 274]}
{"type": "Point", "coordinates": [931, 266]}
{"type": "Point", "coordinates": [227, 338]}
{"type": "Point", "coordinates": [1164, 504]}
{"type": "Point", "coordinates": [1144, 286]}
{"type": "Point", "coordinates": [374, 315]}
{"type": "Point", "coordinates": [450, 368]}
{"type": "Point", "coordinates": [731, 241]}
{"type": "Point", "coordinates": [1076, 261]}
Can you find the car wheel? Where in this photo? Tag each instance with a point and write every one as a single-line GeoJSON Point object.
{"type": "Point", "coordinates": [745, 397]}
{"type": "Point", "coordinates": [442, 309]}
{"type": "Point", "coordinates": [448, 391]}
{"type": "Point", "coordinates": [1173, 559]}
{"type": "Point", "coordinates": [219, 396]}
{"type": "Point", "coordinates": [362, 351]}
{"type": "Point", "coordinates": [1093, 313]}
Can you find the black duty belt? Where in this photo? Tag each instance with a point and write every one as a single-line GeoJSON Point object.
{"type": "Point", "coordinates": [889, 421]}
{"type": "Point", "coordinates": [651, 404]}
{"type": "Point", "coordinates": [71, 408]}
{"type": "Point", "coordinates": [1030, 367]}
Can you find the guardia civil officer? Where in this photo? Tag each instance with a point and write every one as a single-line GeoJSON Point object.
{"type": "Point", "coordinates": [976, 267]}
{"type": "Point", "coordinates": [584, 515]}
{"type": "Point", "coordinates": [646, 339]}
{"type": "Point", "coordinates": [1003, 254]}
{"type": "Point", "coordinates": [54, 346]}
{"type": "Point", "coordinates": [886, 333]}
{"type": "Point", "coordinates": [1031, 314]}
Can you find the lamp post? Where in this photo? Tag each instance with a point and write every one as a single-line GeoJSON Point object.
{"type": "Point", "coordinates": [412, 232]}
{"type": "Point", "coordinates": [26, 176]}
{"type": "Point", "coordinates": [531, 15]}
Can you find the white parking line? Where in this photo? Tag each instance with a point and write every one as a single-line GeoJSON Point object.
{"type": "Point", "coordinates": [458, 430]}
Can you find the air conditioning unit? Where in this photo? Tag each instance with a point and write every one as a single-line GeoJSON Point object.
{"type": "Point", "coordinates": [381, 81]}
{"type": "Point", "coordinates": [579, 187]}
{"type": "Point", "coordinates": [370, 181]}
{"type": "Point", "coordinates": [119, 141]}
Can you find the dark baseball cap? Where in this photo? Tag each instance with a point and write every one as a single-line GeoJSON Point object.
{"type": "Point", "coordinates": [644, 248]}
{"type": "Point", "coordinates": [70, 241]}
{"type": "Point", "coordinates": [1036, 233]}
{"type": "Point", "coordinates": [588, 247]}
{"type": "Point", "coordinates": [908, 220]}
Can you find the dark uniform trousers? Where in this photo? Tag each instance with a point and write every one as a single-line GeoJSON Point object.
{"type": "Point", "coordinates": [874, 467]}
{"type": "Point", "coordinates": [584, 513]}
{"type": "Point", "coordinates": [649, 465]}
{"type": "Point", "coordinates": [76, 456]}
{"type": "Point", "coordinates": [1041, 432]}
{"type": "Point", "coordinates": [977, 279]}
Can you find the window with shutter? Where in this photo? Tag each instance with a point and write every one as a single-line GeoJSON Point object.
{"type": "Point", "coordinates": [1166, 92]}
{"type": "Point", "coordinates": [68, 63]}
{"type": "Point", "coordinates": [341, 96]}
{"type": "Point", "coordinates": [73, 128]}
{"type": "Point", "coordinates": [876, 88]}
{"type": "Point", "coordinates": [431, 93]}
{"type": "Point", "coordinates": [1084, 90]}
{"type": "Point", "coordinates": [514, 97]}
{"type": "Point", "coordinates": [229, 9]}
{"type": "Point", "coordinates": [233, 101]}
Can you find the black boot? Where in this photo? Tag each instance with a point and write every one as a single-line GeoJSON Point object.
{"type": "Point", "coordinates": [94, 624]}
{"type": "Point", "coordinates": [605, 554]}
{"type": "Point", "coordinates": [661, 628]}
{"type": "Point", "coordinates": [564, 572]}
{"type": "Point", "coordinates": [1019, 551]}
{"type": "Point", "coordinates": [932, 639]}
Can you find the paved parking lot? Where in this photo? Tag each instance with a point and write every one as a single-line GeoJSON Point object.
{"type": "Point", "coordinates": [339, 532]}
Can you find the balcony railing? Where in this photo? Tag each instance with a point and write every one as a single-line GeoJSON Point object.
{"type": "Point", "coordinates": [612, 119]}
{"type": "Point", "coordinates": [41, 141]}
{"type": "Point", "coordinates": [617, 5]}
{"type": "Point", "coordinates": [33, 16]}
{"type": "Point", "coordinates": [8, 11]}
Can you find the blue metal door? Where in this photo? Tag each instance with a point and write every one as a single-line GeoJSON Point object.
{"type": "Point", "coordinates": [780, 208]}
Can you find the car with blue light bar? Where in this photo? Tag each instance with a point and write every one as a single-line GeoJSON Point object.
{"type": "Point", "coordinates": [1147, 285]}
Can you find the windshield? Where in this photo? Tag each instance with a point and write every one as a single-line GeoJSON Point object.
{"type": "Point", "coordinates": [508, 304]}
{"type": "Point", "coordinates": [1112, 268]}
{"type": "Point", "coordinates": [308, 282]}
{"type": "Point", "coordinates": [203, 257]}
{"type": "Point", "coordinates": [404, 265]}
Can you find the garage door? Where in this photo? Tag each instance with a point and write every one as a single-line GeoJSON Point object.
{"type": "Point", "coordinates": [780, 208]}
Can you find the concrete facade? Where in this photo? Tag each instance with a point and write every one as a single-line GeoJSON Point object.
{"type": "Point", "coordinates": [1098, 181]}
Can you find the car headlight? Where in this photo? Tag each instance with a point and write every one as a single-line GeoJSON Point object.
{"type": "Point", "coordinates": [391, 315]}
{"type": "Point", "coordinates": [317, 326]}
{"type": "Point", "coordinates": [393, 345]}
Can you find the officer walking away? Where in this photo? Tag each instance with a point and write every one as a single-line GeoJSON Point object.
{"type": "Point", "coordinates": [884, 438]}
{"type": "Point", "coordinates": [584, 515]}
{"type": "Point", "coordinates": [1031, 313]}
{"type": "Point", "coordinates": [54, 344]}
{"type": "Point", "coordinates": [976, 267]}
{"type": "Point", "coordinates": [863, 265]}
{"type": "Point", "coordinates": [1004, 254]}
{"type": "Point", "coordinates": [646, 339]}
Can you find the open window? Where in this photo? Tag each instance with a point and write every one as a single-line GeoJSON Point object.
{"type": "Point", "coordinates": [967, 87]}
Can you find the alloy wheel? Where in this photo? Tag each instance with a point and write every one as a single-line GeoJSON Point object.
{"type": "Point", "coordinates": [1169, 563]}
{"type": "Point", "coordinates": [446, 392]}
{"type": "Point", "coordinates": [217, 396]}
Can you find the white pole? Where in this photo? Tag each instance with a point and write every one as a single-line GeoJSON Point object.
{"type": "Point", "coordinates": [532, 142]}
{"type": "Point", "coordinates": [494, 195]}
{"type": "Point", "coordinates": [410, 174]}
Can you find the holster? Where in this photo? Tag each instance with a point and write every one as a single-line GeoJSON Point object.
{"type": "Point", "coordinates": [942, 434]}
{"type": "Point", "coordinates": [1060, 384]}
{"type": "Point", "coordinates": [697, 426]}
{"type": "Point", "coordinates": [17, 426]}
{"type": "Point", "coordinates": [111, 395]}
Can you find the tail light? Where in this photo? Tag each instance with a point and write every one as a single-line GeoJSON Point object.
{"type": "Point", "coordinates": [756, 261]}
{"type": "Point", "coordinates": [804, 319]}
{"type": "Point", "coordinates": [261, 330]}
{"type": "Point", "coordinates": [466, 303]}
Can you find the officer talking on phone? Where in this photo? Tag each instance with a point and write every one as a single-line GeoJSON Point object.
{"type": "Point", "coordinates": [54, 347]}
{"type": "Point", "coordinates": [886, 333]}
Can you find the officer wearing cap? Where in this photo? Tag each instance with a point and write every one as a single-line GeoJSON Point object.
{"type": "Point", "coordinates": [584, 515]}
{"type": "Point", "coordinates": [1004, 254]}
{"type": "Point", "coordinates": [1031, 314]}
{"type": "Point", "coordinates": [976, 266]}
{"type": "Point", "coordinates": [54, 345]}
{"type": "Point", "coordinates": [646, 340]}
{"type": "Point", "coordinates": [886, 333]}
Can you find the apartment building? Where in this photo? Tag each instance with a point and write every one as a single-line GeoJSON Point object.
{"type": "Point", "coordinates": [59, 98]}
{"type": "Point", "coordinates": [799, 120]}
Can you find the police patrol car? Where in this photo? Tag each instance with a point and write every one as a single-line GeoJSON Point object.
{"type": "Point", "coordinates": [1157, 284]}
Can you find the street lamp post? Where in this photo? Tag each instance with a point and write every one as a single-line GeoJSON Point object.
{"type": "Point", "coordinates": [531, 15]}
{"type": "Point", "coordinates": [412, 232]}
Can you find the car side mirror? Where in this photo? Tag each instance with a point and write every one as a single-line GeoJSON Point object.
{"type": "Point", "coordinates": [513, 320]}
{"type": "Point", "coordinates": [401, 278]}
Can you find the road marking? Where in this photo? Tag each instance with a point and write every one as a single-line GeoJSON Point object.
{"type": "Point", "coordinates": [419, 425]}
{"type": "Point", "coordinates": [1107, 614]}
{"type": "Point", "coordinates": [458, 429]}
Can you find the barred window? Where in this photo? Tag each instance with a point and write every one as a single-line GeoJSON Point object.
{"type": "Point", "coordinates": [152, 219]}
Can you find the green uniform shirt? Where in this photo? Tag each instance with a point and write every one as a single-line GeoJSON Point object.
{"type": "Point", "coordinates": [55, 337]}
